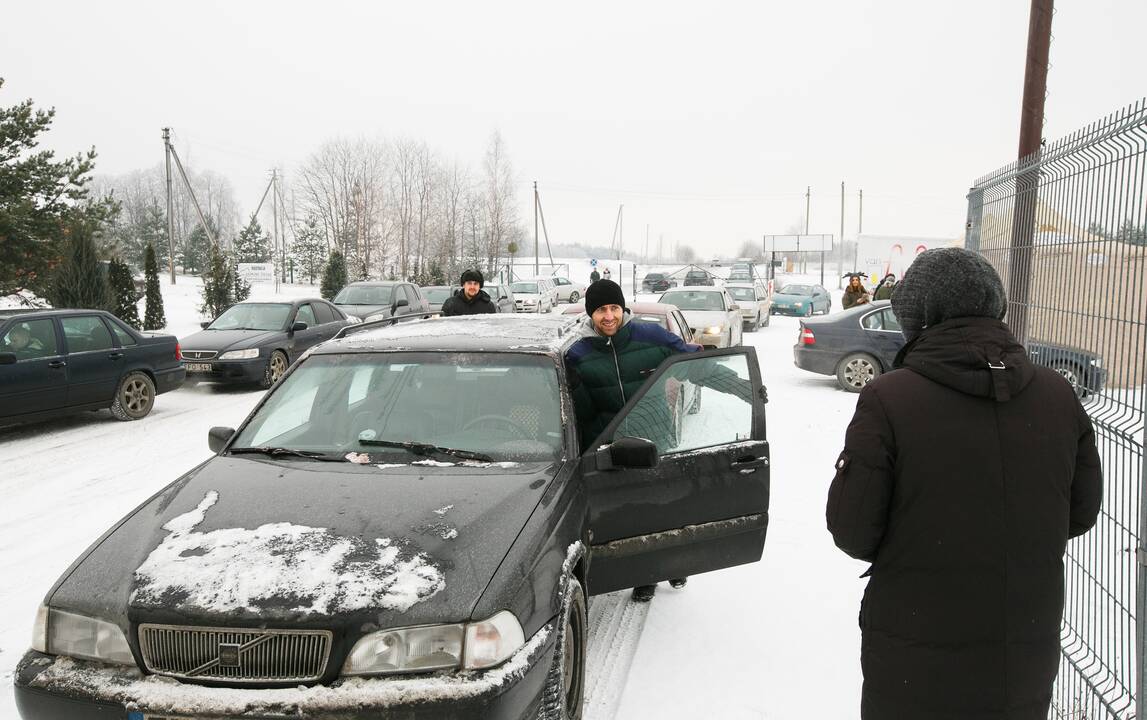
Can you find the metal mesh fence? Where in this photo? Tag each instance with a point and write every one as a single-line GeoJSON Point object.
{"type": "Point", "coordinates": [1067, 230]}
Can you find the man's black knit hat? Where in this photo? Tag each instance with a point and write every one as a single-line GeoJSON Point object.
{"type": "Point", "coordinates": [947, 283]}
{"type": "Point", "coordinates": [473, 276]}
{"type": "Point", "coordinates": [603, 292]}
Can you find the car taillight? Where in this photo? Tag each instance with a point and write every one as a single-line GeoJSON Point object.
{"type": "Point", "coordinates": [178, 352]}
{"type": "Point", "coordinates": [806, 337]}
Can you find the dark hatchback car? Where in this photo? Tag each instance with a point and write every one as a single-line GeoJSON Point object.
{"type": "Point", "coordinates": [859, 344]}
{"type": "Point", "coordinates": [56, 362]}
{"type": "Point", "coordinates": [405, 527]}
{"type": "Point", "coordinates": [698, 277]}
{"type": "Point", "coordinates": [656, 282]}
{"type": "Point", "coordinates": [381, 299]}
{"type": "Point", "coordinates": [436, 295]}
{"type": "Point", "coordinates": [255, 342]}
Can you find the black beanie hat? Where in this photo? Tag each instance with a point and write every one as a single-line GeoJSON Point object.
{"type": "Point", "coordinates": [603, 292]}
{"type": "Point", "coordinates": [473, 276]}
{"type": "Point", "coordinates": [947, 283]}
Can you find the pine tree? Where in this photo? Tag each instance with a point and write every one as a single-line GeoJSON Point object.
{"type": "Point", "coordinates": [252, 245]}
{"type": "Point", "coordinates": [218, 285]}
{"type": "Point", "coordinates": [310, 249]}
{"type": "Point", "coordinates": [196, 251]}
{"type": "Point", "coordinates": [334, 276]}
{"type": "Point", "coordinates": [79, 281]}
{"type": "Point", "coordinates": [153, 316]}
{"type": "Point", "coordinates": [123, 293]}
{"type": "Point", "coordinates": [240, 288]}
{"type": "Point", "coordinates": [153, 233]}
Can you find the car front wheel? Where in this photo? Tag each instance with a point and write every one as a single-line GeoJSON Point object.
{"type": "Point", "coordinates": [564, 692]}
{"type": "Point", "coordinates": [857, 370]}
{"type": "Point", "coordinates": [134, 397]}
{"type": "Point", "coordinates": [574, 296]}
{"type": "Point", "coordinates": [276, 366]}
{"type": "Point", "coordinates": [1071, 374]}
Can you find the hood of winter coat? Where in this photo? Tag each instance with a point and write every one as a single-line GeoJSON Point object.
{"type": "Point", "coordinates": [960, 354]}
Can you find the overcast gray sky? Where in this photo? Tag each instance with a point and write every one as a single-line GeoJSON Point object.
{"type": "Point", "coordinates": [706, 119]}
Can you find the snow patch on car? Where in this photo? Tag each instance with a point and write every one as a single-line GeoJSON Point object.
{"type": "Point", "coordinates": [280, 566]}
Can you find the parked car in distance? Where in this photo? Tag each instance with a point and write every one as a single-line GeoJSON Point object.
{"type": "Point", "coordinates": [698, 277]}
{"type": "Point", "coordinates": [801, 299]}
{"type": "Point", "coordinates": [58, 362]}
{"type": "Point", "coordinates": [501, 296]}
{"type": "Point", "coordinates": [756, 305]}
{"type": "Point", "coordinates": [436, 295]}
{"type": "Point", "coordinates": [363, 549]}
{"type": "Point", "coordinates": [859, 344]}
{"type": "Point", "coordinates": [256, 341]}
{"type": "Point", "coordinates": [714, 318]}
{"type": "Point", "coordinates": [656, 282]}
{"type": "Point", "coordinates": [534, 296]}
{"type": "Point", "coordinates": [371, 299]}
{"type": "Point", "coordinates": [566, 290]}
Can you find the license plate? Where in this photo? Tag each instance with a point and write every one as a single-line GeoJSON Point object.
{"type": "Point", "coordinates": [198, 367]}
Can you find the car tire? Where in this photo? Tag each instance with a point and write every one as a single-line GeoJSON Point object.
{"type": "Point", "coordinates": [857, 370]}
{"type": "Point", "coordinates": [574, 297]}
{"type": "Point", "coordinates": [134, 396]}
{"type": "Point", "coordinates": [1070, 372]}
{"type": "Point", "coordinates": [768, 317]}
{"type": "Point", "coordinates": [276, 366]}
{"type": "Point", "coordinates": [678, 418]}
{"type": "Point", "coordinates": [563, 696]}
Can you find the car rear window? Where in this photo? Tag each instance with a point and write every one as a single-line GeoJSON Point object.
{"type": "Point", "coordinates": [365, 295]}
{"type": "Point", "coordinates": [694, 300]}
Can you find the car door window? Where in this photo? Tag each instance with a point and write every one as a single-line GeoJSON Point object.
{"type": "Point", "coordinates": [123, 336]}
{"type": "Point", "coordinates": [890, 321]}
{"type": "Point", "coordinates": [30, 339]}
{"type": "Point", "coordinates": [671, 416]}
{"type": "Point", "coordinates": [681, 322]}
{"type": "Point", "coordinates": [307, 315]}
{"type": "Point", "coordinates": [323, 314]}
{"type": "Point", "coordinates": [872, 321]}
{"type": "Point", "coordinates": [85, 333]}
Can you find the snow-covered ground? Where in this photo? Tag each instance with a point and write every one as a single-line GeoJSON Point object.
{"type": "Point", "coordinates": [777, 639]}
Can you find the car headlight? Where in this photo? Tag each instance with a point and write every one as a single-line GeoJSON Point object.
{"type": "Point", "coordinates": [436, 647]}
{"type": "Point", "coordinates": [372, 318]}
{"type": "Point", "coordinates": [715, 330]}
{"type": "Point", "coordinates": [240, 354]}
{"type": "Point", "coordinates": [796, 304]}
{"type": "Point", "coordinates": [63, 633]}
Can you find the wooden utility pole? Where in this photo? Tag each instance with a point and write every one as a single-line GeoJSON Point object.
{"type": "Point", "coordinates": [170, 215]}
{"type": "Point", "coordinates": [275, 225]}
{"type": "Point", "coordinates": [841, 253]}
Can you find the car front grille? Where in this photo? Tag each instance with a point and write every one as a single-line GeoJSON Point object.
{"type": "Point", "coordinates": [238, 655]}
{"type": "Point", "coordinates": [199, 354]}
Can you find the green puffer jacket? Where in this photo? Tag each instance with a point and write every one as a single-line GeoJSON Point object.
{"type": "Point", "coordinates": [605, 372]}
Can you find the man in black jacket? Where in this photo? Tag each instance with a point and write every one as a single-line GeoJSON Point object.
{"type": "Point", "coordinates": [471, 299]}
{"type": "Point", "coordinates": [964, 473]}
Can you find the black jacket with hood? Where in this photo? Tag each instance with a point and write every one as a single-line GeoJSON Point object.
{"type": "Point", "coordinates": [961, 484]}
{"type": "Point", "coordinates": [459, 304]}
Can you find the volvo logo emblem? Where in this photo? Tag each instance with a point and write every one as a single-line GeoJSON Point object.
{"type": "Point", "coordinates": [229, 655]}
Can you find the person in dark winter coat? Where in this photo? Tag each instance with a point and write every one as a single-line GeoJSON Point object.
{"type": "Point", "coordinates": [470, 299]}
{"type": "Point", "coordinates": [854, 294]}
{"type": "Point", "coordinates": [964, 473]}
{"type": "Point", "coordinates": [884, 290]}
{"type": "Point", "coordinates": [594, 276]}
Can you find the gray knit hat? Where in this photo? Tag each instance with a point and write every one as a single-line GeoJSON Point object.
{"type": "Point", "coordinates": [947, 283]}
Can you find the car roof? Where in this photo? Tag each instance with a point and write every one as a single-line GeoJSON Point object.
{"type": "Point", "coordinates": [377, 283]}
{"type": "Point", "coordinates": [546, 334]}
{"type": "Point", "coordinates": [31, 313]}
{"type": "Point", "coordinates": [634, 308]}
{"type": "Point", "coordinates": [748, 285]}
{"type": "Point", "coordinates": [696, 288]}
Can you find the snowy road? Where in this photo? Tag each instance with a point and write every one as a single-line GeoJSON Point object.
{"type": "Point", "coordinates": [777, 639]}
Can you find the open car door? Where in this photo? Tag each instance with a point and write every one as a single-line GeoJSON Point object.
{"type": "Point", "coordinates": [679, 481]}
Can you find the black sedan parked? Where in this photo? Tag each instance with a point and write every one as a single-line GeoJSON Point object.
{"type": "Point", "coordinates": [860, 344]}
{"type": "Point", "coordinates": [255, 342]}
{"type": "Point", "coordinates": [55, 362]}
{"type": "Point", "coordinates": [372, 300]}
{"type": "Point", "coordinates": [657, 282]}
{"type": "Point", "coordinates": [405, 527]}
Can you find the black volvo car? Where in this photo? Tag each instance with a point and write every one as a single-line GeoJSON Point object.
{"type": "Point", "coordinates": [55, 362]}
{"type": "Point", "coordinates": [405, 527]}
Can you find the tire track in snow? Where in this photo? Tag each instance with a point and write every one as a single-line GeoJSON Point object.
{"type": "Point", "coordinates": [615, 625]}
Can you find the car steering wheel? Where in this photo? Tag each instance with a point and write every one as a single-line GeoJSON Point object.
{"type": "Point", "coordinates": [501, 420]}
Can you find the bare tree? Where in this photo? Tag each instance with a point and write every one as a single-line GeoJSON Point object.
{"type": "Point", "coordinates": [501, 209]}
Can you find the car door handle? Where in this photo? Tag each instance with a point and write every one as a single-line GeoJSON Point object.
{"type": "Point", "coordinates": [57, 364]}
{"type": "Point", "coordinates": [750, 463]}
{"type": "Point", "coordinates": [115, 356]}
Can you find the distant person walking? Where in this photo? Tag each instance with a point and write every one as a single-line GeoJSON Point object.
{"type": "Point", "coordinates": [606, 274]}
{"type": "Point", "coordinates": [594, 276]}
{"type": "Point", "coordinates": [470, 299]}
{"type": "Point", "coordinates": [854, 294]}
{"type": "Point", "coordinates": [884, 290]}
{"type": "Point", "coordinates": [964, 473]}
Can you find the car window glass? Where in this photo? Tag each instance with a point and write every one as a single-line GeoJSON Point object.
{"type": "Point", "coordinates": [696, 403]}
{"type": "Point", "coordinates": [872, 321]}
{"type": "Point", "coordinates": [681, 323]}
{"type": "Point", "coordinates": [253, 316]}
{"type": "Point", "coordinates": [323, 314]}
{"type": "Point", "coordinates": [123, 336]}
{"type": "Point", "coordinates": [305, 314]}
{"type": "Point", "coordinates": [30, 339]}
{"type": "Point", "coordinates": [365, 295]}
{"type": "Point", "coordinates": [890, 321]}
{"type": "Point", "coordinates": [85, 333]}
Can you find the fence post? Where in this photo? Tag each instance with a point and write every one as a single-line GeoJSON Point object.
{"type": "Point", "coordinates": [975, 219]}
{"type": "Point", "coordinates": [1141, 591]}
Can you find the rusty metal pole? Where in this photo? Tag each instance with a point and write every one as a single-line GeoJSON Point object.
{"type": "Point", "coordinates": [1027, 178]}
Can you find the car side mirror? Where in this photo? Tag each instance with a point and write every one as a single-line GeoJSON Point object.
{"type": "Point", "coordinates": [628, 452]}
{"type": "Point", "coordinates": [401, 303]}
{"type": "Point", "coordinates": [734, 306]}
{"type": "Point", "coordinates": [7, 358]}
{"type": "Point", "coordinates": [298, 325]}
{"type": "Point", "coordinates": [217, 438]}
{"type": "Point", "coordinates": [205, 324]}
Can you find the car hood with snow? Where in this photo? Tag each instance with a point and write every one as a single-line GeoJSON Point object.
{"type": "Point", "coordinates": [701, 319]}
{"type": "Point", "coordinates": [317, 544]}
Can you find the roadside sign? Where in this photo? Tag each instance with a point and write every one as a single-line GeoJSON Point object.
{"type": "Point", "coordinates": [593, 262]}
{"type": "Point", "coordinates": [257, 272]}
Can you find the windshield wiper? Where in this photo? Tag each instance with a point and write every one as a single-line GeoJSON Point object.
{"type": "Point", "coordinates": [279, 451]}
{"type": "Point", "coordinates": [427, 449]}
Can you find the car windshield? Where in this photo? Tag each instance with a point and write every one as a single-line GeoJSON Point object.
{"type": "Point", "coordinates": [525, 287]}
{"type": "Point", "coordinates": [740, 293]}
{"type": "Point", "coordinates": [365, 295]}
{"type": "Point", "coordinates": [502, 405]}
{"type": "Point", "coordinates": [796, 290]}
{"type": "Point", "coordinates": [654, 276]}
{"type": "Point", "coordinates": [439, 295]}
{"type": "Point", "coordinates": [253, 316]}
{"type": "Point", "coordinates": [694, 300]}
